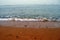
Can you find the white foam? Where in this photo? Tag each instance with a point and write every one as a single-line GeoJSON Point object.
{"type": "Point", "coordinates": [5, 19]}
{"type": "Point", "coordinates": [17, 19]}
{"type": "Point", "coordinates": [25, 19]}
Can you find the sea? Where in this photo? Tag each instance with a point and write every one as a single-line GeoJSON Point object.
{"type": "Point", "coordinates": [30, 11]}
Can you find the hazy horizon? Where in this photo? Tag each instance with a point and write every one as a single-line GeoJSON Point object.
{"type": "Point", "coordinates": [29, 2]}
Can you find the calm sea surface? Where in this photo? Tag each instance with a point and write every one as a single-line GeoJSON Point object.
{"type": "Point", "coordinates": [29, 11]}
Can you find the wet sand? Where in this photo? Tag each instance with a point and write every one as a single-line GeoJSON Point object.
{"type": "Point", "coordinates": [23, 31]}
{"type": "Point", "coordinates": [31, 24]}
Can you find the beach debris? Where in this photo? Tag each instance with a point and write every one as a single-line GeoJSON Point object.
{"type": "Point", "coordinates": [17, 36]}
{"type": "Point", "coordinates": [25, 26]}
{"type": "Point", "coordinates": [35, 38]}
{"type": "Point", "coordinates": [13, 19]}
{"type": "Point", "coordinates": [45, 20]}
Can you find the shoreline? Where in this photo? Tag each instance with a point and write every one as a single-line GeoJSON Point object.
{"type": "Point", "coordinates": [29, 19]}
{"type": "Point", "coordinates": [30, 24]}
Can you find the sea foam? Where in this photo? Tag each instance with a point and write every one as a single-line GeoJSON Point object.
{"type": "Point", "coordinates": [17, 19]}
